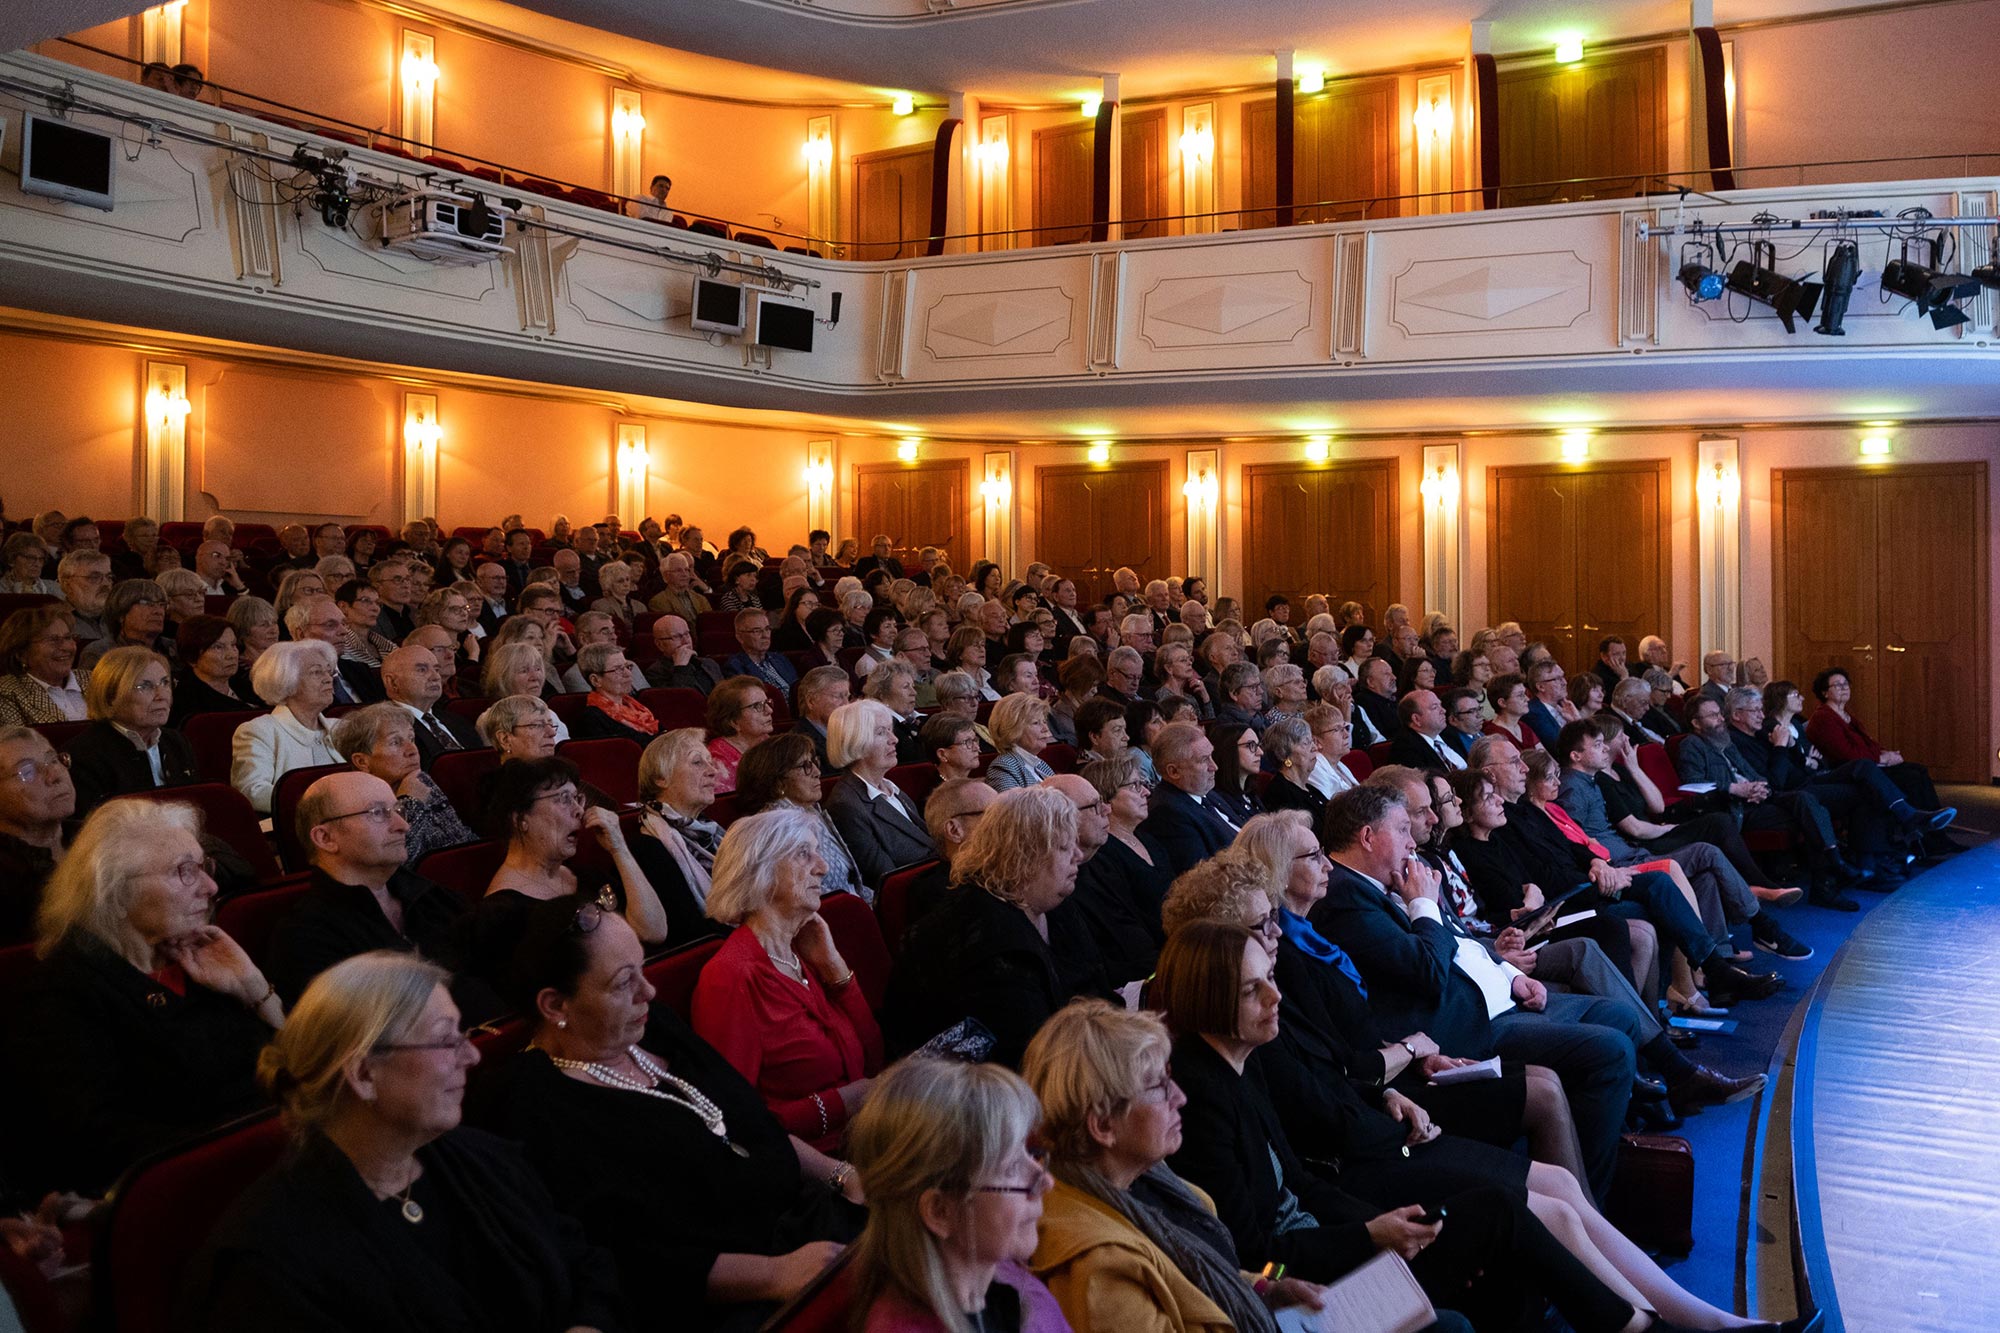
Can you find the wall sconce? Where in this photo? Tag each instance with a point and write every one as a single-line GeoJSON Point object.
{"type": "Point", "coordinates": [165, 415]}
{"type": "Point", "coordinates": [906, 450]}
{"type": "Point", "coordinates": [819, 484]}
{"type": "Point", "coordinates": [160, 30]}
{"type": "Point", "coordinates": [903, 104]}
{"type": "Point", "coordinates": [1717, 485]}
{"type": "Point", "coordinates": [1201, 490]}
{"type": "Point", "coordinates": [1198, 145]}
{"type": "Point", "coordinates": [420, 79]}
{"type": "Point", "coordinates": [628, 141]}
{"type": "Point", "coordinates": [635, 466]}
{"type": "Point", "coordinates": [1569, 50]}
{"type": "Point", "coordinates": [1090, 107]}
{"type": "Point", "coordinates": [627, 123]}
{"type": "Point", "coordinates": [1438, 515]}
{"type": "Point", "coordinates": [819, 151]}
{"type": "Point", "coordinates": [1099, 452]}
{"type": "Point", "coordinates": [1575, 446]}
{"type": "Point", "coordinates": [1718, 537]}
{"type": "Point", "coordinates": [992, 154]}
{"type": "Point", "coordinates": [819, 179]}
{"type": "Point", "coordinates": [167, 409]}
{"type": "Point", "coordinates": [1312, 79]}
{"type": "Point", "coordinates": [1875, 446]}
{"type": "Point", "coordinates": [996, 489]}
{"type": "Point", "coordinates": [819, 475]}
{"type": "Point", "coordinates": [1433, 117]}
{"type": "Point", "coordinates": [1203, 493]}
{"type": "Point", "coordinates": [1318, 449]}
{"type": "Point", "coordinates": [1440, 487]}
{"type": "Point", "coordinates": [423, 437]}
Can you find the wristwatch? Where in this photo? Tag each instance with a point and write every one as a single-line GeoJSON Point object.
{"type": "Point", "coordinates": [1414, 1057]}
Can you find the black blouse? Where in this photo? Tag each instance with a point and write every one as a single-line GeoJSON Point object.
{"type": "Point", "coordinates": [493, 929]}
{"type": "Point", "coordinates": [310, 1249]}
{"type": "Point", "coordinates": [191, 696]}
{"type": "Point", "coordinates": [650, 1183]}
{"type": "Point", "coordinates": [115, 1065]}
{"type": "Point", "coordinates": [1117, 904]}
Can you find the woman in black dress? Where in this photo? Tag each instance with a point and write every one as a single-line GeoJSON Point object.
{"type": "Point", "coordinates": [209, 660]}
{"type": "Point", "coordinates": [386, 1215]}
{"type": "Point", "coordinates": [654, 1142]}
{"type": "Point", "coordinates": [1239, 756]}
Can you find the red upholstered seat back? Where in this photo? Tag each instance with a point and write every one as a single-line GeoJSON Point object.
{"type": "Point", "coordinates": [1378, 754]}
{"type": "Point", "coordinates": [1060, 757]}
{"type": "Point", "coordinates": [162, 1212]}
{"type": "Point", "coordinates": [458, 775]}
{"type": "Point", "coordinates": [285, 805]}
{"type": "Point", "coordinates": [859, 940]}
{"type": "Point", "coordinates": [676, 708]}
{"type": "Point", "coordinates": [1359, 764]}
{"type": "Point", "coordinates": [611, 765]}
{"type": "Point", "coordinates": [210, 736]}
{"type": "Point", "coordinates": [918, 781]}
{"type": "Point", "coordinates": [1653, 762]}
{"type": "Point", "coordinates": [674, 974]}
{"type": "Point", "coordinates": [466, 870]}
{"type": "Point", "coordinates": [251, 919]}
{"type": "Point", "coordinates": [892, 904]}
{"type": "Point", "coordinates": [226, 814]}
{"type": "Point", "coordinates": [821, 1307]}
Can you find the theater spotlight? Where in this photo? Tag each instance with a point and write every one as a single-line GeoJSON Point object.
{"type": "Point", "coordinates": [1933, 293]}
{"type": "Point", "coordinates": [1988, 274]}
{"type": "Point", "coordinates": [1702, 282]}
{"type": "Point", "coordinates": [1843, 268]}
{"type": "Point", "coordinates": [1758, 279]}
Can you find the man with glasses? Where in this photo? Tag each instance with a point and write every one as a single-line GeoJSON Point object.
{"type": "Point", "coordinates": [1464, 722]}
{"type": "Point", "coordinates": [1184, 821]}
{"type": "Point", "coordinates": [1096, 927]}
{"type": "Point", "coordinates": [319, 617]}
{"type": "Point", "coordinates": [754, 656]}
{"type": "Point", "coordinates": [821, 690]}
{"type": "Point", "coordinates": [412, 681]}
{"type": "Point", "coordinates": [85, 580]}
{"type": "Point", "coordinates": [36, 796]}
{"type": "Point", "coordinates": [362, 897]}
{"type": "Point", "coordinates": [391, 579]}
{"type": "Point", "coordinates": [1124, 669]}
{"type": "Point", "coordinates": [950, 814]}
{"type": "Point", "coordinates": [677, 667]}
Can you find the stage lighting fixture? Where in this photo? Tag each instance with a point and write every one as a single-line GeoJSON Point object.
{"type": "Point", "coordinates": [1702, 282]}
{"type": "Point", "coordinates": [1758, 279]}
{"type": "Point", "coordinates": [1988, 274]}
{"type": "Point", "coordinates": [1933, 293]}
{"type": "Point", "coordinates": [1843, 268]}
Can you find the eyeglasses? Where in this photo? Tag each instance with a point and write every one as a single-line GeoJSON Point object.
{"type": "Point", "coordinates": [1314, 855]}
{"type": "Point", "coordinates": [571, 798]}
{"type": "Point", "coordinates": [810, 768]}
{"type": "Point", "coordinates": [1157, 1091]}
{"type": "Point", "coordinates": [1040, 1159]}
{"type": "Point", "coordinates": [30, 771]}
{"type": "Point", "coordinates": [187, 874]}
{"type": "Point", "coordinates": [458, 1041]}
{"type": "Point", "coordinates": [1270, 925]}
{"type": "Point", "coordinates": [544, 725]}
{"type": "Point", "coordinates": [761, 705]}
{"type": "Point", "coordinates": [378, 815]}
{"type": "Point", "coordinates": [152, 686]}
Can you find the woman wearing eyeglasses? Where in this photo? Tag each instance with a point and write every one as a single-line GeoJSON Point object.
{"type": "Point", "coordinates": [36, 798]}
{"type": "Point", "coordinates": [1118, 889]}
{"type": "Point", "coordinates": [538, 808]}
{"type": "Point", "coordinates": [136, 617]}
{"type": "Point", "coordinates": [128, 746]}
{"type": "Point", "coordinates": [649, 1138]}
{"type": "Point", "coordinates": [740, 716]}
{"type": "Point", "coordinates": [784, 774]}
{"type": "Point", "coordinates": [1239, 756]}
{"type": "Point", "coordinates": [609, 710]}
{"type": "Point", "coordinates": [954, 1197]}
{"type": "Point", "coordinates": [143, 1021]}
{"type": "Point", "coordinates": [387, 1215]}
{"type": "Point", "coordinates": [38, 679]}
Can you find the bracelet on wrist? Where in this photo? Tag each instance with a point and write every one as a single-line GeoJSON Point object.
{"type": "Point", "coordinates": [825, 1125]}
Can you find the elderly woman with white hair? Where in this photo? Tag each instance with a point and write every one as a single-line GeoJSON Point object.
{"type": "Point", "coordinates": [451, 1226]}
{"type": "Point", "coordinates": [1285, 690]}
{"type": "Point", "coordinates": [882, 826]}
{"type": "Point", "coordinates": [381, 740]}
{"type": "Point", "coordinates": [520, 726]}
{"type": "Point", "coordinates": [610, 711]}
{"type": "Point", "coordinates": [296, 679]}
{"type": "Point", "coordinates": [777, 1000]}
{"type": "Point", "coordinates": [185, 594]}
{"type": "Point", "coordinates": [142, 1022]}
{"type": "Point", "coordinates": [984, 952]}
{"type": "Point", "coordinates": [1020, 727]}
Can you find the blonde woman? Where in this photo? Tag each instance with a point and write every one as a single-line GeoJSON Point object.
{"type": "Point", "coordinates": [128, 747]}
{"type": "Point", "coordinates": [371, 1077]}
{"type": "Point", "coordinates": [1020, 727]}
{"type": "Point", "coordinates": [954, 1196]}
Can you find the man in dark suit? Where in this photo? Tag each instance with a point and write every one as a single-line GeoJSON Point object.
{"type": "Point", "coordinates": [882, 826]}
{"type": "Point", "coordinates": [1549, 708]}
{"type": "Point", "coordinates": [319, 617]}
{"type": "Point", "coordinates": [1423, 742]}
{"type": "Point", "coordinates": [881, 557]}
{"type": "Point", "coordinates": [1182, 819]}
{"type": "Point", "coordinates": [1631, 699]}
{"type": "Point", "coordinates": [754, 656]}
{"type": "Point", "coordinates": [1384, 909]}
{"type": "Point", "coordinates": [1610, 667]}
{"type": "Point", "coordinates": [519, 560]}
{"type": "Point", "coordinates": [677, 668]}
{"type": "Point", "coordinates": [1375, 696]}
{"type": "Point", "coordinates": [494, 602]}
{"type": "Point", "coordinates": [411, 679]}
{"type": "Point", "coordinates": [1463, 720]}
{"type": "Point", "coordinates": [821, 690]}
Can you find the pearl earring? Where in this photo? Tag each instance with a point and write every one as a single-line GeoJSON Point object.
{"type": "Point", "coordinates": [562, 1022]}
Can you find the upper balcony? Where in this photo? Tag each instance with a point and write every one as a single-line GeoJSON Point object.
{"type": "Point", "coordinates": [214, 232]}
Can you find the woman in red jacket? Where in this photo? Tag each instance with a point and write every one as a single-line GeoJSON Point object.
{"type": "Point", "coordinates": [1839, 736]}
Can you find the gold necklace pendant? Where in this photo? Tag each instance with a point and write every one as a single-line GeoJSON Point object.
{"type": "Point", "coordinates": [413, 1212]}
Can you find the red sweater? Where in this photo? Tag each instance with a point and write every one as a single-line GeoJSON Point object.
{"type": "Point", "coordinates": [1841, 740]}
{"type": "Point", "coordinates": [789, 1040]}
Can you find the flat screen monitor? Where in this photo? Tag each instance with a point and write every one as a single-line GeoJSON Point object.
{"type": "Point", "coordinates": [66, 162]}
{"type": "Point", "coordinates": [780, 323]}
{"type": "Point", "coordinates": [718, 307]}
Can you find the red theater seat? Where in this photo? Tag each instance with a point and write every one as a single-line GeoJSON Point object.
{"type": "Point", "coordinates": [251, 919]}
{"type": "Point", "coordinates": [611, 765]}
{"type": "Point", "coordinates": [674, 974]}
{"type": "Point", "coordinates": [892, 903]}
{"type": "Point", "coordinates": [466, 870]}
{"type": "Point", "coordinates": [228, 815]}
{"type": "Point", "coordinates": [211, 736]}
{"type": "Point", "coordinates": [859, 940]}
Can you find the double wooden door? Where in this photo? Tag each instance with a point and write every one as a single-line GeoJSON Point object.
{"type": "Point", "coordinates": [1576, 555]}
{"type": "Point", "coordinates": [1329, 529]}
{"type": "Point", "coordinates": [1601, 124]}
{"type": "Point", "coordinates": [1064, 172]}
{"type": "Point", "coordinates": [892, 202]}
{"type": "Point", "coordinates": [1884, 574]}
{"type": "Point", "coordinates": [1089, 520]}
{"type": "Point", "coordinates": [1344, 154]}
{"type": "Point", "coordinates": [917, 505]}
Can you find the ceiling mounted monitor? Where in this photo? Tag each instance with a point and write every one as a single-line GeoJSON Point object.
{"type": "Point", "coordinates": [66, 162]}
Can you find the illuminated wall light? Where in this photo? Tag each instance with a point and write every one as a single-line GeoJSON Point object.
{"type": "Point", "coordinates": [1875, 446]}
{"type": "Point", "coordinates": [1100, 452]}
{"type": "Point", "coordinates": [1312, 79]}
{"type": "Point", "coordinates": [904, 104]}
{"type": "Point", "coordinates": [1198, 145]}
{"type": "Point", "coordinates": [634, 468]}
{"type": "Point", "coordinates": [1433, 117]}
{"type": "Point", "coordinates": [1717, 486]}
{"type": "Point", "coordinates": [1201, 489]}
{"type": "Point", "coordinates": [818, 151]}
{"type": "Point", "coordinates": [907, 451]}
{"type": "Point", "coordinates": [422, 434]}
{"type": "Point", "coordinates": [628, 141]}
{"type": "Point", "coordinates": [819, 475]}
{"type": "Point", "coordinates": [1569, 50]}
{"type": "Point", "coordinates": [420, 71]}
{"type": "Point", "coordinates": [1318, 449]}
{"type": "Point", "coordinates": [168, 408]}
{"type": "Point", "coordinates": [423, 437]}
{"type": "Point", "coordinates": [1440, 487]}
{"type": "Point", "coordinates": [1090, 107]}
{"type": "Point", "coordinates": [420, 76]}
{"type": "Point", "coordinates": [992, 154]}
{"type": "Point", "coordinates": [1575, 446]}
{"type": "Point", "coordinates": [996, 488]}
{"type": "Point", "coordinates": [626, 123]}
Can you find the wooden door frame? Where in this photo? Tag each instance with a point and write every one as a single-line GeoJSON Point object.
{"type": "Point", "coordinates": [1253, 471]}
{"type": "Point", "coordinates": [963, 467]}
{"type": "Point", "coordinates": [1159, 467]}
{"type": "Point", "coordinates": [1983, 668]}
{"type": "Point", "coordinates": [1661, 467]}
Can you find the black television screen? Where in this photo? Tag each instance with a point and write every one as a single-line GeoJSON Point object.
{"type": "Point", "coordinates": [65, 161]}
{"type": "Point", "coordinates": [784, 324]}
{"type": "Point", "coordinates": [718, 307]}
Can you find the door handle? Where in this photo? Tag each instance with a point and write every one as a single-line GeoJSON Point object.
{"type": "Point", "coordinates": [1862, 648]}
{"type": "Point", "coordinates": [1895, 648]}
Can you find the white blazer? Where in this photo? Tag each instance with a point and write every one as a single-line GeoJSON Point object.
{"type": "Point", "coordinates": [268, 747]}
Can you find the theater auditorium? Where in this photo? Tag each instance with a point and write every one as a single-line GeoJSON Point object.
{"type": "Point", "coordinates": [999, 666]}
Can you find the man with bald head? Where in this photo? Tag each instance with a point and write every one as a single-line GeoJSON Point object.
{"type": "Point", "coordinates": [218, 576]}
{"type": "Point", "coordinates": [362, 897]}
{"type": "Point", "coordinates": [951, 812]}
{"type": "Point", "coordinates": [319, 617]}
{"type": "Point", "coordinates": [413, 682]}
{"type": "Point", "coordinates": [1097, 928]}
{"type": "Point", "coordinates": [678, 668]}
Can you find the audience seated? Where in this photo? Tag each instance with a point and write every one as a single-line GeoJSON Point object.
{"type": "Point", "coordinates": [954, 1194]}
{"type": "Point", "coordinates": [1510, 699]}
{"type": "Point", "coordinates": [1289, 753]}
{"type": "Point", "coordinates": [380, 740]}
{"type": "Point", "coordinates": [740, 716]}
{"type": "Point", "coordinates": [677, 666]}
{"type": "Point", "coordinates": [520, 726]}
{"type": "Point", "coordinates": [85, 580]}
{"type": "Point", "coordinates": [783, 774]}
{"type": "Point", "coordinates": [128, 746]}
{"type": "Point", "coordinates": [315, 618]}
{"type": "Point", "coordinates": [210, 663]}
{"type": "Point", "coordinates": [296, 679]}
{"type": "Point", "coordinates": [778, 1001]}
{"type": "Point", "coordinates": [371, 1073]}
{"type": "Point", "coordinates": [1239, 757]}
{"type": "Point", "coordinates": [610, 710]}
{"type": "Point", "coordinates": [985, 953]}
{"type": "Point", "coordinates": [951, 812]}
{"type": "Point", "coordinates": [1020, 728]}
{"type": "Point", "coordinates": [39, 682]}
{"type": "Point", "coordinates": [1180, 818]}
{"type": "Point", "coordinates": [414, 682]}
{"type": "Point", "coordinates": [1102, 927]}
{"type": "Point", "coordinates": [754, 656]}
{"type": "Point", "coordinates": [676, 845]}
{"type": "Point", "coordinates": [37, 797]}
{"type": "Point", "coordinates": [880, 823]}
{"type": "Point", "coordinates": [821, 690]}
{"type": "Point", "coordinates": [653, 1141]}
{"type": "Point", "coordinates": [1426, 739]}
{"type": "Point", "coordinates": [142, 1022]}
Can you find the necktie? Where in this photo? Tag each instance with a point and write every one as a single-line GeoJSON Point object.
{"type": "Point", "coordinates": [438, 732]}
{"type": "Point", "coordinates": [1437, 743]}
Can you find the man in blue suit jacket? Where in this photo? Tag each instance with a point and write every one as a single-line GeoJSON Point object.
{"type": "Point", "coordinates": [1420, 978]}
{"type": "Point", "coordinates": [1180, 816]}
{"type": "Point", "coordinates": [1548, 696]}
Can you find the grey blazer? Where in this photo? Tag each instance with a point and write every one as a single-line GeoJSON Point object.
{"type": "Point", "coordinates": [880, 840]}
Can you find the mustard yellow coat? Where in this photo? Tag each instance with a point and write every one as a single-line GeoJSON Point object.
{"type": "Point", "coordinates": [1109, 1278]}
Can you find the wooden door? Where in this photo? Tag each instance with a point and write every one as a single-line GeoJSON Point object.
{"type": "Point", "coordinates": [1142, 168]}
{"type": "Point", "coordinates": [1884, 574]}
{"type": "Point", "coordinates": [892, 203]}
{"type": "Point", "coordinates": [1345, 151]}
{"type": "Point", "coordinates": [1062, 183]}
{"type": "Point", "coordinates": [1605, 117]}
{"type": "Point", "coordinates": [918, 505]}
{"type": "Point", "coordinates": [1553, 565]}
{"type": "Point", "coordinates": [1329, 529]}
{"type": "Point", "coordinates": [1089, 520]}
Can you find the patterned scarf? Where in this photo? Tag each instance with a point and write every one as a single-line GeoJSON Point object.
{"type": "Point", "coordinates": [626, 712]}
